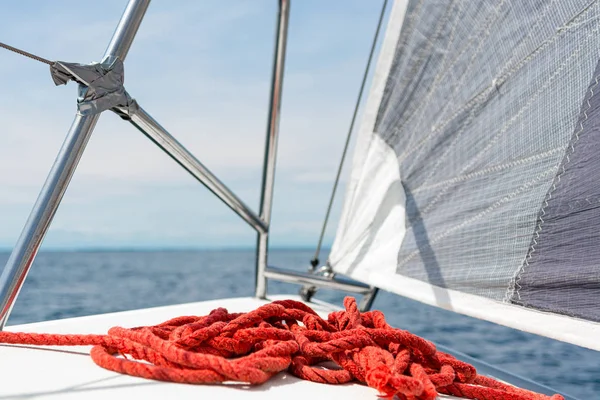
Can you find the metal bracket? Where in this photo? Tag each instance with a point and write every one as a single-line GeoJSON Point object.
{"type": "Point", "coordinates": [326, 278]}
{"type": "Point", "coordinates": [100, 85]}
{"type": "Point", "coordinates": [302, 278]}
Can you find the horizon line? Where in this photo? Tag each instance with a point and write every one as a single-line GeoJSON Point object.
{"type": "Point", "coordinates": [165, 249]}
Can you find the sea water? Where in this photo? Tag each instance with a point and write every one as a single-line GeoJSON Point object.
{"type": "Point", "coordinates": [68, 284]}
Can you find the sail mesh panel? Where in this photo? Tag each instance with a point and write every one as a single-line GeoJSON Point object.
{"type": "Point", "coordinates": [561, 272]}
{"type": "Point", "coordinates": [480, 106]}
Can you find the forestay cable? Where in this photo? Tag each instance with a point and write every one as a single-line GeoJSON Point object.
{"type": "Point", "coordinates": [315, 261]}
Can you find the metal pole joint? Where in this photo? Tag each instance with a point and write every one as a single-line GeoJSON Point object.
{"type": "Point", "coordinates": [35, 229]}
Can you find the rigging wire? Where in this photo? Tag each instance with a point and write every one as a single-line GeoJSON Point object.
{"type": "Point", "coordinates": [26, 54]}
{"type": "Point", "coordinates": [315, 261]}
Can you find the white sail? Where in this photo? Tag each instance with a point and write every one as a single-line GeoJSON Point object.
{"type": "Point", "coordinates": [474, 184]}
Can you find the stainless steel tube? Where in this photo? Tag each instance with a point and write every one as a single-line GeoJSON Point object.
{"type": "Point", "coordinates": [56, 184]}
{"type": "Point", "coordinates": [126, 29]}
{"type": "Point", "coordinates": [39, 220]}
{"type": "Point", "coordinates": [163, 139]}
{"type": "Point", "coordinates": [268, 178]}
{"type": "Point", "coordinates": [302, 278]}
{"type": "Point", "coordinates": [367, 301]}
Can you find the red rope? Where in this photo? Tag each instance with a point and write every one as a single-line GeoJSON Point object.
{"type": "Point", "coordinates": [286, 335]}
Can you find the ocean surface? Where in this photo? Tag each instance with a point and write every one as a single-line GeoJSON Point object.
{"type": "Point", "coordinates": [68, 284]}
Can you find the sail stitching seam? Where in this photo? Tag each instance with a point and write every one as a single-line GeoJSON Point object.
{"type": "Point", "coordinates": [517, 286]}
{"type": "Point", "coordinates": [441, 73]}
{"type": "Point", "coordinates": [556, 73]}
{"type": "Point", "coordinates": [490, 170]}
{"type": "Point", "coordinates": [495, 85]}
{"type": "Point", "coordinates": [531, 30]}
{"type": "Point", "coordinates": [483, 213]}
{"type": "Point", "coordinates": [457, 85]}
{"type": "Point", "coordinates": [502, 78]}
{"type": "Point", "coordinates": [506, 126]}
{"type": "Point", "coordinates": [419, 63]}
{"type": "Point", "coordinates": [489, 23]}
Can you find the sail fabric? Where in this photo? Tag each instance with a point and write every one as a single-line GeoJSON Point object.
{"type": "Point", "coordinates": [475, 183]}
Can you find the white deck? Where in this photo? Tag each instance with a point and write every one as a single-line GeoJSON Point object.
{"type": "Point", "coordinates": [30, 372]}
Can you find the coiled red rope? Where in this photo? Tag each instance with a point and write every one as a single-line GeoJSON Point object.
{"type": "Point", "coordinates": [286, 335]}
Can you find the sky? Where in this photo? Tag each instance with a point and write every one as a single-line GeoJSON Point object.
{"type": "Point", "coordinates": [202, 69]}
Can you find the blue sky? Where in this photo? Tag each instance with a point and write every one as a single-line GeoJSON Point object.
{"type": "Point", "coordinates": [202, 69]}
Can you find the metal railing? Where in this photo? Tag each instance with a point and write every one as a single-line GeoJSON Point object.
{"type": "Point", "coordinates": [40, 218]}
{"type": "Point", "coordinates": [268, 176]}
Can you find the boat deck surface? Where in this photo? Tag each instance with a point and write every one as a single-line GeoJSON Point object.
{"type": "Point", "coordinates": [30, 372]}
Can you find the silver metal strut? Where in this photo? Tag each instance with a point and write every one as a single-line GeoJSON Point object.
{"type": "Point", "coordinates": [303, 278]}
{"type": "Point", "coordinates": [163, 139]}
{"type": "Point", "coordinates": [268, 176]}
{"type": "Point", "coordinates": [56, 184]}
